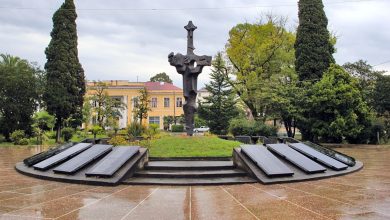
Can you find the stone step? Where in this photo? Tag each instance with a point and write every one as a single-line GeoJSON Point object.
{"type": "Point", "coordinates": [189, 165]}
{"type": "Point", "coordinates": [189, 173]}
{"type": "Point", "coordinates": [188, 181]}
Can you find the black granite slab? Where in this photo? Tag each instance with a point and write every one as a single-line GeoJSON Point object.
{"type": "Point", "coordinates": [296, 158]}
{"type": "Point", "coordinates": [83, 159]}
{"type": "Point", "coordinates": [266, 161]}
{"type": "Point", "coordinates": [318, 156]}
{"type": "Point", "coordinates": [46, 154]}
{"type": "Point", "coordinates": [61, 157]}
{"type": "Point", "coordinates": [113, 161]}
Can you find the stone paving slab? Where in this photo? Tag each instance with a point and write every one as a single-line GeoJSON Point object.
{"type": "Point", "coordinates": [360, 195]}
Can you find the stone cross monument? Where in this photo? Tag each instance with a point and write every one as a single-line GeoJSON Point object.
{"type": "Point", "coordinates": [190, 66]}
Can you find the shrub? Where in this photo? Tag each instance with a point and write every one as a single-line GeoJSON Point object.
{"type": "Point", "coordinates": [67, 133]}
{"type": "Point", "coordinates": [17, 136]}
{"type": "Point", "coordinates": [122, 132]}
{"type": "Point", "coordinates": [110, 133]}
{"type": "Point", "coordinates": [51, 134]}
{"type": "Point", "coordinates": [177, 128]}
{"type": "Point", "coordinates": [152, 131]}
{"type": "Point", "coordinates": [241, 126]}
{"type": "Point", "coordinates": [2, 138]}
{"type": "Point", "coordinates": [134, 130]}
{"type": "Point", "coordinates": [96, 130]}
{"type": "Point", "coordinates": [262, 129]}
{"type": "Point", "coordinates": [117, 140]}
{"type": "Point", "coordinates": [23, 141]}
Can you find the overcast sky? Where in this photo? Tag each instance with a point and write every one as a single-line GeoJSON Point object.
{"type": "Point", "coordinates": [127, 40]}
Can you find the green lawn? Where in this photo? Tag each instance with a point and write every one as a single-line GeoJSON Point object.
{"type": "Point", "coordinates": [200, 146]}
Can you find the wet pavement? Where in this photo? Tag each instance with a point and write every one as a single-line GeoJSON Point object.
{"type": "Point", "coordinates": [361, 195]}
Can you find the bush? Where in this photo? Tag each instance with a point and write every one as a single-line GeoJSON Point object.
{"type": "Point", "coordinates": [177, 128]}
{"type": "Point", "coordinates": [118, 140]}
{"type": "Point", "coordinates": [67, 133]}
{"type": "Point", "coordinates": [23, 141]}
{"type": "Point", "coordinates": [122, 132]}
{"type": "Point", "coordinates": [110, 133]}
{"type": "Point", "coordinates": [51, 134]}
{"type": "Point", "coordinates": [134, 130]}
{"type": "Point", "coordinates": [2, 138]}
{"type": "Point", "coordinates": [242, 126]}
{"type": "Point", "coordinates": [17, 136]}
{"type": "Point", "coordinates": [152, 131]}
{"type": "Point", "coordinates": [262, 129]}
{"type": "Point", "coordinates": [96, 130]}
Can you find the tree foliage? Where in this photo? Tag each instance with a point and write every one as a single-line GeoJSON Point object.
{"type": "Point", "coordinates": [261, 55]}
{"type": "Point", "coordinates": [107, 109]}
{"type": "Point", "coordinates": [366, 76]}
{"type": "Point", "coordinates": [141, 106]}
{"type": "Point", "coordinates": [43, 120]}
{"type": "Point", "coordinates": [313, 46]}
{"type": "Point", "coordinates": [334, 108]}
{"type": "Point", "coordinates": [19, 94]}
{"type": "Point", "coordinates": [219, 107]}
{"type": "Point", "coordinates": [65, 77]}
{"type": "Point", "coordinates": [381, 100]}
{"type": "Point", "coordinates": [161, 77]}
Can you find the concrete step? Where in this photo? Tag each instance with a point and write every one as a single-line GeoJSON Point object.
{"type": "Point", "coordinates": [190, 173]}
{"type": "Point", "coordinates": [188, 181]}
{"type": "Point", "coordinates": [189, 165]}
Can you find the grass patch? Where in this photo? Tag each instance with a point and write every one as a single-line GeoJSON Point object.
{"type": "Point", "coordinates": [199, 146]}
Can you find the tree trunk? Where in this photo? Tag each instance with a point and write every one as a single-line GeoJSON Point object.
{"type": "Point", "coordinates": [58, 133]}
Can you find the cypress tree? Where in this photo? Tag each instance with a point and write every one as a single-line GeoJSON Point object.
{"type": "Point", "coordinates": [65, 76]}
{"type": "Point", "coordinates": [313, 47]}
{"type": "Point", "coordinates": [219, 107]}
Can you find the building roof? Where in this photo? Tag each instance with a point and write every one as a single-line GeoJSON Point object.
{"type": "Point", "coordinates": [160, 86]}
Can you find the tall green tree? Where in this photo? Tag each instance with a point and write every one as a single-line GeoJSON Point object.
{"type": "Point", "coordinates": [382, 95]}
{"type": "Point", "coordinates": [141, 106]}
{"type": "Point", "coordinates": [260, 55]}
{"type": "Point", "coordinates": [313, 46]}
{"type": "Point", "coordinates": [65, 84]}
{"type": "Point", "coordinates": [333, 108]}
{"type": "Point", "coordinates": [107, 109]}
{"type": "Point", "coordinates": [219, 107]}
{"type": "Point", "coordinates": [366, 76]}
{"type": "Point", "coordinates": [161, 77]}
{"type": "Point", "coordinates": [19, 94]}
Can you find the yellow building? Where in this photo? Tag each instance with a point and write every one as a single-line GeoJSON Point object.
{"type": "Point", "coordinates": [165, 99]}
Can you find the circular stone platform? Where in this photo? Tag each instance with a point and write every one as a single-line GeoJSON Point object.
{"type": "Point", "coordinates": [137, 169]}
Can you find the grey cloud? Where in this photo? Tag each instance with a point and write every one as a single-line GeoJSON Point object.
{"type": "Point", "coordinates": [124, 44]}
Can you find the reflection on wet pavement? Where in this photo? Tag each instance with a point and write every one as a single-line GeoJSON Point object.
{"type": "Point", "coordinates": [361, 195]}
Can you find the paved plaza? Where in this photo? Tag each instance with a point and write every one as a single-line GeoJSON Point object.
{"type": "Point", "coordinates": [361, 195]}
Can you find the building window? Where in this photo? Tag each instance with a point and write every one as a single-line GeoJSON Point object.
{"type": "Point", "coordinates": [154, 120]}
{"type": "Point", "coordinates": [166, 102]}
{"type": "Point", "coordinates": [179, 102]}
{"type": "Point", "coordinates": [154, 103]}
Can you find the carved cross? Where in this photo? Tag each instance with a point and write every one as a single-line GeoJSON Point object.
{"type": "Point", "coordinates": [190, 66]}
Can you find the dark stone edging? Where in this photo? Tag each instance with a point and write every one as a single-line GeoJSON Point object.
{"type": "Point", "coordinates": [243, 162]}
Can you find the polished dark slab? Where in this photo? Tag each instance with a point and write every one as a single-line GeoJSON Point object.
{"type": "Point", "coordinates": [266, 161]}
{"type": "Point", "coordinates": [296, 158]}
{"type": "Point", "coordinates": [61, 157]}
{"type": "Point", "coordinates": [318, 156]}
{"type": "Point", "coordinates": [243, 162]}
{"type": "Point", "coordinates": [46, 154]}
{"type": "Point", "coordinates": [83, 159]}
{"type": "Point", "coordinates": [107, 166]}
{"type": "Point", "coordinates": [350, 161]}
